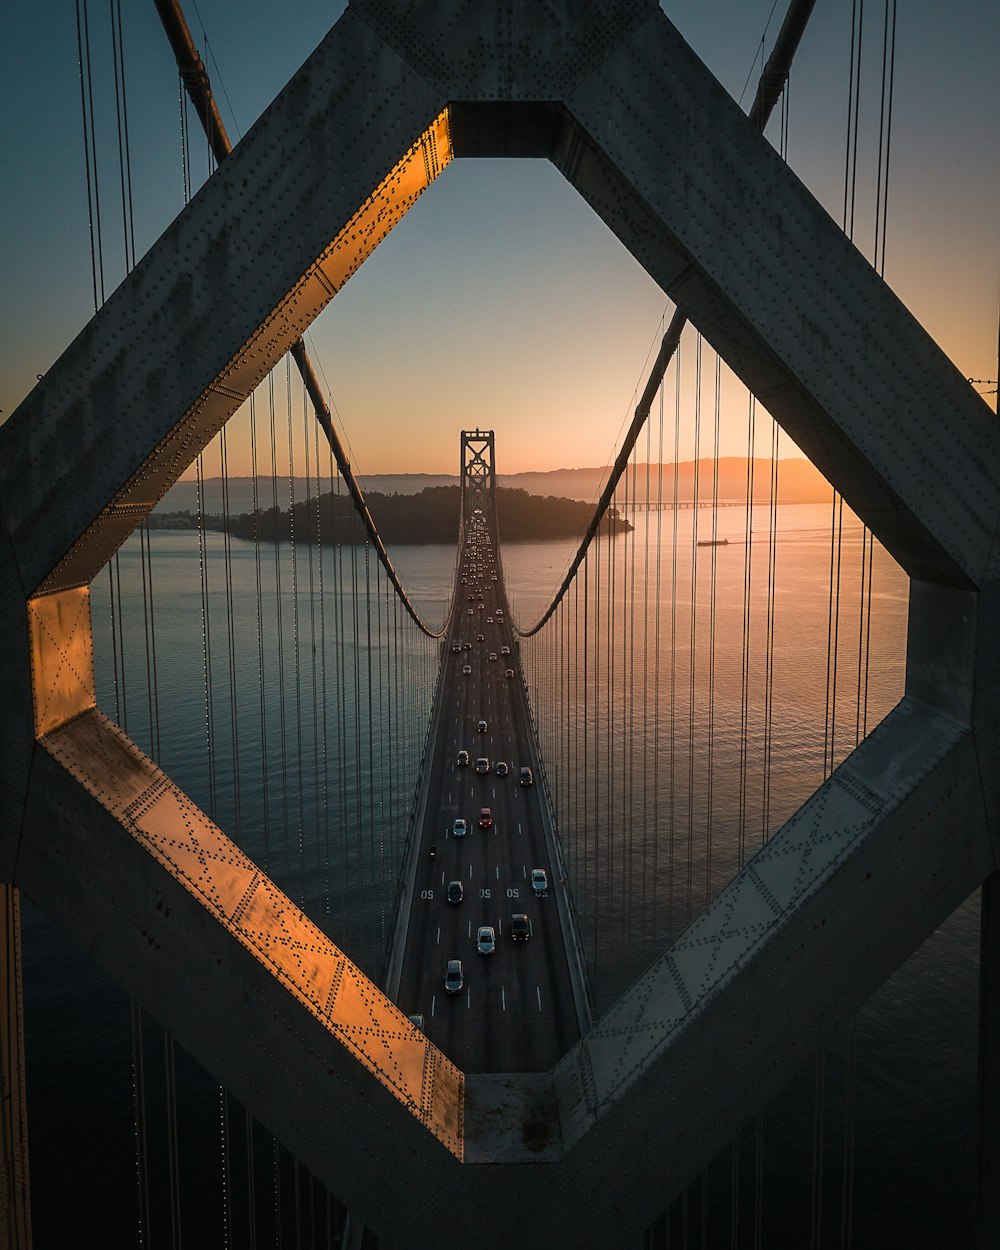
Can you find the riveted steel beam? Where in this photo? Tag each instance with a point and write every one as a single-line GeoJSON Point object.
{"type": "Point", "coordinates": [839, 897]}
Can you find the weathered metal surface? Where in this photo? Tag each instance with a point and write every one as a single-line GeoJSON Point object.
{"type": "Point", "coordinates": [713, 214]}
{"type": "Point", "coordinates": [837, 900]}
{"type": "Point", "coordinates": [817, 920]}
{"type": "Point", "coordinates": [227, 289]}
{"type": "Point", "coordinates": [247, 906]}
{"type": "Point", "coordinates": [62, 658]}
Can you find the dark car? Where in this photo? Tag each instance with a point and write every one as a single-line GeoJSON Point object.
{"type": "Point", "coordinates": [456, 891]}
{"type": "Point", "coordinates": [502, 769]}
{"type": "Point", "coordinates": [463, 758]}
{"type": "Point", "coordinates": [527, 777]}
{"type": "Point", "coordinates": [485, 818]}
{"type": "Point", "coordinates": [481, 726]}
{"type": "Point", "coordinates": [520, 927]}
{"type": "Point", "coordinates": [453, 980]}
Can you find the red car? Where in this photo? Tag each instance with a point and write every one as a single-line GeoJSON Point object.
{"type": "Point", "coordinates": [485, 818]}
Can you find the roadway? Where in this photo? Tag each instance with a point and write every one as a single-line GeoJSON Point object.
{"type": "Point", "coordinates": [515, 1011]}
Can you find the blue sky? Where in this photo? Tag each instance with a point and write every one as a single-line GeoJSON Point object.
{"type": "Point", "coordinates": [500, 300]}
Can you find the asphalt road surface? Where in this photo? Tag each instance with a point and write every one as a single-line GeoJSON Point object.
{"type": "Point", "coordinates": [515, 1011]}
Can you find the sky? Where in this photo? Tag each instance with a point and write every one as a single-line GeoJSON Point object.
{"type": "Point", "coordinates": [501, 300]}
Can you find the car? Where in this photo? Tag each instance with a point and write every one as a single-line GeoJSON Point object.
{"type": "Point", "coordinates": [417, 1020]}
{"type": "Point", "coordinates": [526, 776]}
{"type": "Point", "coordinates": [471, 613]}
{"type": "Point", "coordinates": [456, 647]}
{"type": "Point", "coordinates": [485, 818]}
{"type": "Point", "coordinates": [483, 764]}
{"type": "Point", "coordinates": [508, 672]}
{"type": "Point", "coordinates": [520, 927]}
{"type": "Point", "coordinates": [481, 726]}
{"type": "Point", "coordinates": [466, 646]}
{"type": "Point", "coordinates": [486, 939]}
{"type": "Point", "coordinates": [505, 650]}
{"type": "Point", "coordinates": [466, 669]}
{"type": "Point", "coordinates": [493, 655]}
{"type": "Point", "coordinates": [456, 891]}
{"type": "Point", "coordinates": [539, 881]}
{"type": "Point", "coordinates": [453, 978]}
{"type": "Point", "coordinates": [463, 759]}
{"type": "Point", "coordinates": [502, 770]}
{"type": "Point", "coordinates": [480, 637]}
{"type": "Point", "coordinates": [459, 828]}
{"type": "Point", "coordinates": [499, 611]}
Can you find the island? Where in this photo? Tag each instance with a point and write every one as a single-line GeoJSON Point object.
{"type": "Point", "coordinates": [429, 516]}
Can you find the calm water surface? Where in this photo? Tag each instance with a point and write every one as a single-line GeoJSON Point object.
{"type": "Point", "coordinates": [311, 769]}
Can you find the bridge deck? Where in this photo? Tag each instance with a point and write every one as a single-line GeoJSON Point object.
{"type": "Point", "coordinates": [516, 1011]}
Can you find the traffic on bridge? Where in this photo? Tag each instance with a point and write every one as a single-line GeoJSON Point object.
{"type": "Point", "coordinates": [485, 970]}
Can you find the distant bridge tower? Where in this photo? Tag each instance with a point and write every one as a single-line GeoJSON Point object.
{"type": "Point", "coordinates": [478, 473]}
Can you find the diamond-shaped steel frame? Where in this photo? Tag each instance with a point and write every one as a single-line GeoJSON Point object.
{"type": "Point", "coordinates": [108, 846]}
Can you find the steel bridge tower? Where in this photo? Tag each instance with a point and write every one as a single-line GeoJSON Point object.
{"type": "Point", "coordinates": [477, 473]}
{"type": "Point", "coordinates": [104, 842]}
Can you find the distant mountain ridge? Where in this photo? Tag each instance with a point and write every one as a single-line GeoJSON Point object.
{"type": "Point", "coordinates": [798, 482]}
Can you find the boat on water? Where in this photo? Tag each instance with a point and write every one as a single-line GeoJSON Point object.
{"type": "Point", "coordinates": [713, 542]}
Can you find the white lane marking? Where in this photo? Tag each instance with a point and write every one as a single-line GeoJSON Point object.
{"type": "Point", "coordinates": [439, 935]}
{"type": "Point", "coordinates": [433, 1002]}
{"type": "Point", "coordinates": [519, 826]}
{"type": "Point", "coordinates": [468, 997]}
{"type": "Point", "coordinates": [538, 992]}
{"type": "Point", "coordinates": [503, 997]}
{"type": "Point", "coordinates": [470, 928]}
{"type": "Point", "coordinates": [498, 872]}
{"type": "Point", "coordinates": [470, 872]}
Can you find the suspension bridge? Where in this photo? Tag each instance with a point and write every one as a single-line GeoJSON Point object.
{"type": "Point", "coordinates": [226, 789]}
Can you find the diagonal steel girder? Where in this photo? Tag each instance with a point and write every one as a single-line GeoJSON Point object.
{"type": "Point", "coordinates": [96, 835]}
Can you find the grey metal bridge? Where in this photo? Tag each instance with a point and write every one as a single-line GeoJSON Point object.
{"type": "Point", "coordinates": [596, 1141]}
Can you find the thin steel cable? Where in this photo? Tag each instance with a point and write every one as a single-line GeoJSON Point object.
{"type": "Point", "coordinates": [672, 741]}
{"type": "Point", "coordinates": [279, 623]}
{"type": "Point", "coordinates": [140, 1125]}
{"type": "Point", "coordinates": [259, 612]}
{"type": "Point", "coordinates": [747, 622]}
{"type": "Point", "coordinates": [121, 122]}
{"type": "Point", "coordinates": [648, 713]}
{"type": "Point", "coordinates": [296, 646]}
{"type": "Point", "coordinates": [90, 151]}
{"type": "Point", "coordinates": [712, 620]}
{"type": "Point", "coordinates": [693, 633]}
{"type": "Point", "coordinates": [173, 1148]}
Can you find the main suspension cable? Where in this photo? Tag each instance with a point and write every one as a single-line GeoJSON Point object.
{"type": "Point", "coordinates": [769, 90]}
{"type": "Point", "coordinates": [196, 81]}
